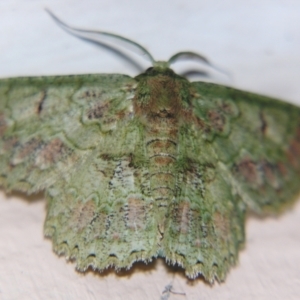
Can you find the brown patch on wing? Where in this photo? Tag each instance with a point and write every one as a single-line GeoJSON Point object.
{"type": "Point", "coordinates": [26, 150]}
{"type": "Point", "coordinates": [10, 143]}
{"type": "Point", "coordinates": [226, 108]}
{"type": "Point", "coordinates": [82, 215]}
{"type": "Point", "coordinates": [98, 226]}
{"type": "Point", "coordinates": [282, 169]}
{"type": "Point", "coordinates": [293, 151]}
{"type": "Point", "coordinates": [136, 213]}
{"type": "Point", "coordinates": [122, 114]}
{"type": "Point", "coordinates": [91, 94]}
{"type": "Point", "coordinates": [217, 120]}
{"type": "Point", "coordinates": [51, 152]}
{"type": "Point", "coordinates": [247, 168]}
{"type": "Point", "coordinates": [98, 111]}
{"type": "Point", "coordinates": [181, 215]}
{"type": "Point", "coordinates": [222, 225]}
{"type": "Point", "coordinates": [197, 243]}
{"type": "Point", "coordinates": [199, 123]}
{"type": "Point", "coordinates": [116, 236]}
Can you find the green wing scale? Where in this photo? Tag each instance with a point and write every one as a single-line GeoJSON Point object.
{"type": "Point", "coordinates": [257, 141]}
{"type": "Point", "coordinates": [136, 168]}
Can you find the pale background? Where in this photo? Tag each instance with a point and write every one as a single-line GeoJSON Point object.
{"type": "Point", "coordinates": [257, 42]}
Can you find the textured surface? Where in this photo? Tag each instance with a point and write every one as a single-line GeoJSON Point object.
{"type": "Point", "coordinates": [266, 63]}
{"type": "Point", "coordinates": [146, 167]}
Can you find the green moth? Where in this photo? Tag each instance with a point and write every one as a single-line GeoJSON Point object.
{"type": "Point", "coordinates": [155, 165]}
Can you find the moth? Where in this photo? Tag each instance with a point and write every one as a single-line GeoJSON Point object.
{"type": "Point", "coordinates": [150, 166]}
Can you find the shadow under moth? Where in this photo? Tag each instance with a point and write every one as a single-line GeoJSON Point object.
{"type": "Point", "coordinates": [150, 166]}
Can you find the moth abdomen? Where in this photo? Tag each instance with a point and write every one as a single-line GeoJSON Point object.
{"type": "Point", "coordinates": [162, 155]}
